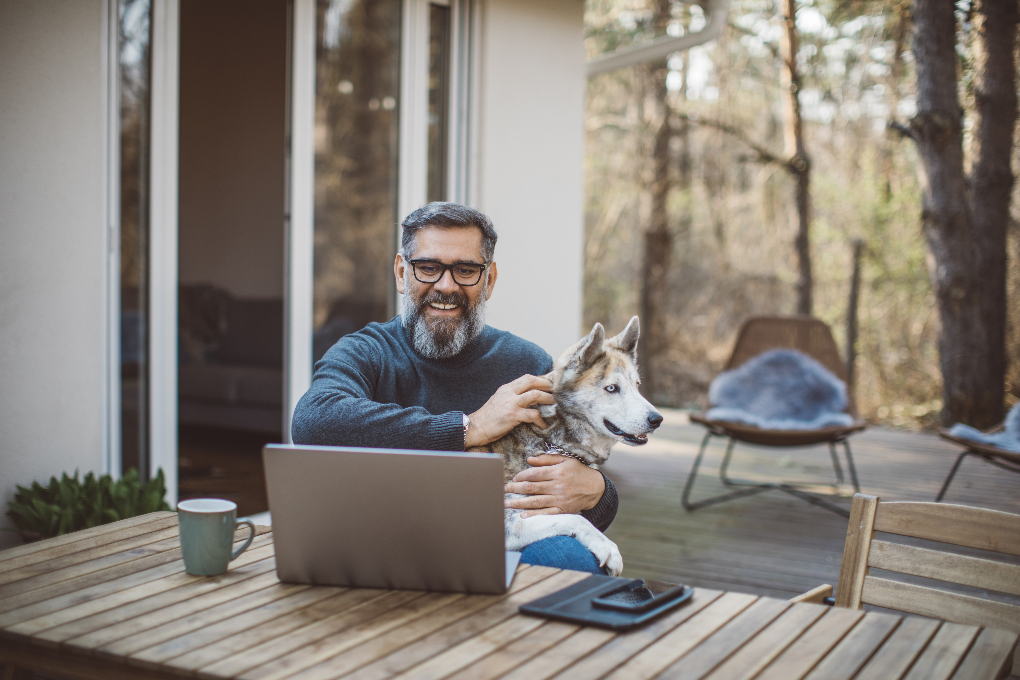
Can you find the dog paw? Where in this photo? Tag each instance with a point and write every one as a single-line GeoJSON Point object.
{"type": "Point", "coordinates": [609, 557]}
{"type": "Point", "coordinates": [614, 564]}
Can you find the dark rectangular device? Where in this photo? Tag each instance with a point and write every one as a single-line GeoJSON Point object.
{"type": "Point", "coordinates": [639, 595]}
{"type": "Point", "coordinates": [576, 604]}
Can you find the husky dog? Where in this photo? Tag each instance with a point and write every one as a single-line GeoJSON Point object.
{"type": "Point", "coordinates": [595, 385]}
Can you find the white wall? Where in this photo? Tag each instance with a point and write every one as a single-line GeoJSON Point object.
{"type": "Point", "coordinates": [530, 164]}
{"type": "Point", "coordinates": [52, 241]}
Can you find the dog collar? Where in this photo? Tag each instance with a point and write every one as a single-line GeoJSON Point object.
{"type": "Point", "coordinates": [560, 451]}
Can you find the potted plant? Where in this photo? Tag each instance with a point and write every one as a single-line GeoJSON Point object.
{"type": "Point", "coordinates": [69, 504]}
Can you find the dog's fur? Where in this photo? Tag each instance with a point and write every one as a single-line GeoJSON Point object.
{"type": "Point", "coordinates": [595, 385]}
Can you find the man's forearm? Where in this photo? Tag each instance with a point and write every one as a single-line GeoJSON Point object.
{"type": "Point", "coordinates": [333, 419]}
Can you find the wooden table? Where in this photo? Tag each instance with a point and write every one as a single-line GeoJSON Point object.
{"type": "Point", "coordinates": [114, 602]}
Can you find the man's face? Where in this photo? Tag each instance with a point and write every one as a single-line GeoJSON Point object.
{"type": "Point", "coordinates": [444, 316]}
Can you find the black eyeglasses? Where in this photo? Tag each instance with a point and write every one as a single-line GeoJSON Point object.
{"type": "Point", "coordinates": [464, 273]}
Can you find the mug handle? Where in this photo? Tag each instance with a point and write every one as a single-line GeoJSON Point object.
{"type": "Point", "coordinates": [251, 537]}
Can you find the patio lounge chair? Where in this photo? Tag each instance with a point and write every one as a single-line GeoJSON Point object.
{"type": "Point", "coordinates": [993, 532]}
{"type": "Point", "coordinates": [1007, 460]}
{"type": "Point", "coordinates": [759, 334]}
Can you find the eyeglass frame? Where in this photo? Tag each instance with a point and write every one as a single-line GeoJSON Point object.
{"type": "Point", "coordinates": [449, 268]}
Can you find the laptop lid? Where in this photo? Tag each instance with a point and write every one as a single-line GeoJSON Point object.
{"type": "Point", "coordinates": [388, 518]}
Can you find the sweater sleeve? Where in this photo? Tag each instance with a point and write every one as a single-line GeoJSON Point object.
{"type": "Point", "coordinates": [339, 410]}
{"type": "Point", "coordinates": [603, 514]}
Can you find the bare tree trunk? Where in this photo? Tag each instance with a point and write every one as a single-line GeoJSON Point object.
{"type": "Point", "coordinates": [991, 177]}
{"type": "Point", "coordinates": [799, 164]}
{"type": "Point", "coordinates": [962, 245]}
{"type": "Point", "coordinates": [658, 237]}
{"type": "Point", "coordinates": [893, 83]}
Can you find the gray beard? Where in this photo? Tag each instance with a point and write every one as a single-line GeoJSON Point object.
{"type": "Point", "coordinates": [441, 338]}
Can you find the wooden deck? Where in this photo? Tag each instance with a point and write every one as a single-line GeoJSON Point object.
{"type": "Point", "coordinates": [772, 543]}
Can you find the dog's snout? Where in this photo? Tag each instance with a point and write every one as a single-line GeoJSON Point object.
{"type": "Point", "coordinates": [655, 419]}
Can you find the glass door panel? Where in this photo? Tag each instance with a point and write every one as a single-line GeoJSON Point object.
{"type": "Point", "coordinates": [356, 155]}
{"type": "Point", "coordinates": [135, 40]}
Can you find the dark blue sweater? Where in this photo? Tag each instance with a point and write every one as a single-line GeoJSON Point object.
{"type": "Point", "coordinates": [373, 389]}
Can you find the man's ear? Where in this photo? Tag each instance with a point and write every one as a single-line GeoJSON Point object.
{"type": "Point", "coordinates": [399, 267]}
{"type": "Point", "coordinates": [627, 340]}
{"type": "Point", "coordinates": [590, 349]}
{"type": "Point", "coordinates": [490, 283]}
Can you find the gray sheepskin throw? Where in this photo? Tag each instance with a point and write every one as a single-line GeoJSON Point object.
{"type": "Point", "coordinates": [781, 389]}
{"type": "Point", "coordinates": [1008, 439]}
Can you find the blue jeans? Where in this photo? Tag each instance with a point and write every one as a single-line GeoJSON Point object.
{"type": "Point", "coordinates": [562, 552]}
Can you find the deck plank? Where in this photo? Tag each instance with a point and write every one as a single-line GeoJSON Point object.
{"type": "Point", "coordinates": [770, 544]}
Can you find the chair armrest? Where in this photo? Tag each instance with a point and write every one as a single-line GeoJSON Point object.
{"type": "Point", "coordinates": [816, 595]}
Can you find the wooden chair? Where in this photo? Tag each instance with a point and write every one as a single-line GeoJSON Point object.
{"type": "Point", "coordinates": [994, 532]}
{"type": "Point", "coordinates": [757, 335]}
{"type": "Point", "coordinates": [1007, 460]}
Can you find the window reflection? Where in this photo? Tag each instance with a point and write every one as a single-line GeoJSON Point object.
{"type": "Point", "coordinates": [135, 92]}
{"type": "Point", "coordinates": [356, 135]}
{"type": "Point", "coordinates": [439, 97]}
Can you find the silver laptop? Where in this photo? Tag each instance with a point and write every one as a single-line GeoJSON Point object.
{"type": "Point", "coordinates": [388, 518]}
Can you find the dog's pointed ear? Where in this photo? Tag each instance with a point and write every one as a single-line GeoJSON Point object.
{"type": "Point", "coordinates": [591, 348]}
{"type": "Point", "coordinates": [627, 340]}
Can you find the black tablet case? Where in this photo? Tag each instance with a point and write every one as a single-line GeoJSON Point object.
{"type": "Point", "coordinates": [573, 604]}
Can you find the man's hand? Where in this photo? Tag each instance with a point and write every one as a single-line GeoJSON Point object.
{"type": "Point", "coordinates": [555, 485]}
{"type": "Point", "coordinates": [507, 408]}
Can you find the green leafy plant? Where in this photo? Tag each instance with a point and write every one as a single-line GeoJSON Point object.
{"type": "Point", "coordinates": [69, 504]}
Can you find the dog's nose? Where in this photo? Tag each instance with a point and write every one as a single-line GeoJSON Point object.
{"type": "Point", "coordinates": [655, 420]}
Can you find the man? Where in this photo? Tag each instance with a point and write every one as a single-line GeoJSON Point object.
{"type": "Point", "coordinates": [437, 378]}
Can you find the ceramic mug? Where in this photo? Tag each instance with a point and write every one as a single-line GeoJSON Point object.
{"type": "Point", "coordinates": [207, 528]}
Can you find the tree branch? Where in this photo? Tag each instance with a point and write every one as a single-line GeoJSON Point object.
{"type": "Point", "coordinates": [901, 129]}
{"type": "Point", "coordinates": [764, 155]}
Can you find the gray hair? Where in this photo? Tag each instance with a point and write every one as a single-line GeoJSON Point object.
{"type": "Point", "coordinates": [446, 216]}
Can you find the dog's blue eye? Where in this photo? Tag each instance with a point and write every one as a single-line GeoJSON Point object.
{"type": "Point", "coordinates": [612, 388]}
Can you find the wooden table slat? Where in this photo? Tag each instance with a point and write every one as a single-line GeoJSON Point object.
{"type": "Point", "coordinates": [467, 652]}
{"type": "Point", "coordinates": [94, 631]}
{"type": "Point", "coordinates": [750, 659]}
{"type": "Point", "coordinates": [231, 636]}
{"type": "Point", "coordinates": [377, 647]}
{"type": "Point", "coordinates": [664, 652]}
{"type": "Point", "coordinates": [74, 620]}
{"type": "Point", "coordinates": [802, 656]}
{"type": "Point", "coordinates": [500, 662]}
{"type": "Point", "coordinates": [989, 655]}
{"type": "Point", "coordinates": [85, 559]}
{"type": "Point", "coordinates": [731, 637]}
{"type": "Point", "coordinates": [95, 534]}
{"type": "Point", "coordinates": [423, 638]}
{"type": "Point", "coordinates": [944, 653]}
{"type": "Point", "coordinates": [854, 650]}
{"type": "Point", "coordinates": [578, 646]}
{"type": "Point", "coordinates": [95, 585]}
{"type": "Point", "coordinates": [106, 562]}
{"type": "Point", "coordinates": [47, 552]}
{"type": "Point", "coordinates": [357, 606]}
{"type": "Point", "coordinates": [900, 649]}
{"type": "Point", "coordinates": [157, 626]}
{"type": "Point", "coordinates": [235, 610]}
{"type": "Point", "coordinates": [623, 647]}
{"type": "Point", "coordinates": [373, 619]}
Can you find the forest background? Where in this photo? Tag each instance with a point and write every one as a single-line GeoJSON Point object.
{"type": "Point", "coordinates": [729, 210]}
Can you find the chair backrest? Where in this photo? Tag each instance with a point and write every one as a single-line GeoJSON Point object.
{"type": "Point", "coordinates": [997, 533]}
{"type": "Point", "coordinates": [803, 333]}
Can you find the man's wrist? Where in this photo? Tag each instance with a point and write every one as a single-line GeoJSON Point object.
{"type": "Point", "coordinates": [601, 493]}
{"type": "Point", "coordinates": [467, 425]}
